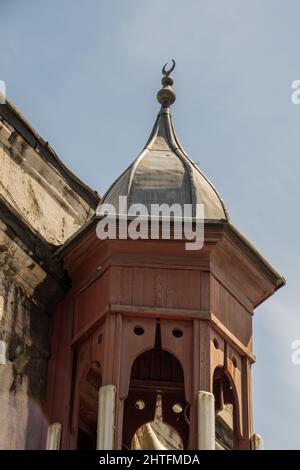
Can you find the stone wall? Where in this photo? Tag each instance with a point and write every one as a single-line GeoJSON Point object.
{"type": "Point", "coordinates": [41, 205]}
{"type": "Point", "coordinates": [38, 193]}
{"type": "Point", "coordinates": [25, 331]}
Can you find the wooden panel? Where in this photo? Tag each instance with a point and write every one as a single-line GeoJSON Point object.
{"type": "Point", "coordinates": [234, 370]}
{"type": "Point", "coordinates": [247, 398]}
{"type": "Point", "coordinates": [90, 302]}
{"type": "Point", "coordinates": [217, 348]}
{"type": "Point", "coordinates": [231, 313]}
{"type": "Point", "coordinates": [144, 286]}
{"type": "Point", "coordinates": [98, 338]}
{"type": "Point", "coordinates": [177, 289]}
{"type": "Point", "coordinates": [126, 286]}
{"type": "Point", "coordinates": [205, 290]}
{"type": "Point", "coordinates": [60, 369]}
{"type": "Point", "coordinates": [154, 287]}
{"type": "Point", "coordinates": [115, 279]}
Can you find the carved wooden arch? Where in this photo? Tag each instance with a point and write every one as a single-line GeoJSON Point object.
{"type": "Point", "coordinates": [156, 371]}
{"type": "Point", "coordinates": [177, 339]}
{"type": "Point", "coordinates": [88, 396]}
{"type": "Point", "coordinates": [224, 394]}
{"type": "Point", "coordinates": [223, 355]}
{"type": "Point", "coordinates": [133, 345]}
{"type": "Point", "coordinates": [217, 353]}
{"type": "Point", "coordinates": [85, 353]}
{"type": "Point", "coordinates": [233, 367]}
{"type": "Point", "coordinates": [87, 369]}
{"type": "Point", "coordinates": [221, 371]}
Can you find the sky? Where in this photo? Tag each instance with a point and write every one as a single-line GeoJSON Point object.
{"type": "Point", "coordinates": [85, 75]}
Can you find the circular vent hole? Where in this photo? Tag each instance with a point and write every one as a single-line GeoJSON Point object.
{"type": "Point", "coordinates": [234, 362]}
{"type": "Point", "coordinates": [140, 405]}
{"type": "Point", "coordinates": [177, 408]}
{"type": "Point", "coordinates": [177, 333]}
{"type": "Point", "coordinates": [138, 330]}
{"type": "Point", "coordinates": [216, 343]}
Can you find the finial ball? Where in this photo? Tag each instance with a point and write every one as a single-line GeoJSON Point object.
{"type": "Point", "coordinates": [166, 96]}
{"type": "Point", "coordinates": [167, 80]}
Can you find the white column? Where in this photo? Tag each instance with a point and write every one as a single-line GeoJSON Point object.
{"type": "Point", "coordinates": [2, 353]}
{"type": "Point", "coordinates": [206, 421]}
{"type": "Point", "coordinates": [257, 442]}
{"type": "Point", "coordinates": [106, 417]}
{"type": "Point", "coordinates": [53, 436]}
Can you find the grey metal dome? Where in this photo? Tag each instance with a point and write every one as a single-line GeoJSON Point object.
{"type": "Point", "coordinates": [163, 172]}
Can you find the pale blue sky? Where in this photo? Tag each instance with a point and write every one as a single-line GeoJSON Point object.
{"type": "Point", "coordinates": [85, 75]}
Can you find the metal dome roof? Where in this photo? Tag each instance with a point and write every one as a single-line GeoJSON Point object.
{"type": "Point", "coordinates": [163, 172]}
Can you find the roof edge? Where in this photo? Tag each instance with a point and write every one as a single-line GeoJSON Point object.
{"type": "Point", "coordinates": [255, 256]}
{"type": "Point", "coordinates": [11, 114]}
{"type": "Point", "coordinates": [277, 279]}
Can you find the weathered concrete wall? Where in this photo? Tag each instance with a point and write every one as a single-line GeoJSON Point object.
{"type": "Point", "coordinates": [37, 192]}
{"type": "Point", "coordinates": [39, 210]}
{"type": "Point", "coordinates": [25, 329]}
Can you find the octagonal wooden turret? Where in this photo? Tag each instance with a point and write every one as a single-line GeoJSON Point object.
{"type": "Point", "coordinates": [151, 324]}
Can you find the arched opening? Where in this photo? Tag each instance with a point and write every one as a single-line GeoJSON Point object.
{"type": "Point", "coordinates": [225, 410]}
{"type": "Point", "coordinates": [88, 408]}
{"type": "Point", "coordinates": [156, 414]}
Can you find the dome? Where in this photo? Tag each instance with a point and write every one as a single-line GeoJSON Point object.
{"type": "Point", "coordinates": [163, 172]}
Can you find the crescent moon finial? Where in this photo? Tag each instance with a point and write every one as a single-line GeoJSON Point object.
{"type": "Point", "coordinates": [167, 72]}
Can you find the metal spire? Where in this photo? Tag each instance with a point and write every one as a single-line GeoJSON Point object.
{"type": "Point", "coordinates": [166, 96]}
